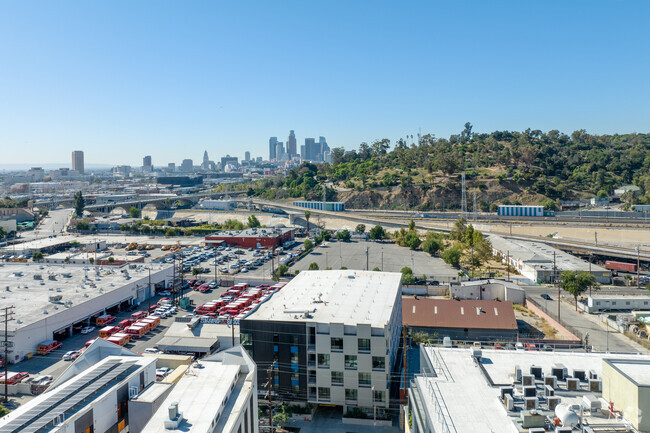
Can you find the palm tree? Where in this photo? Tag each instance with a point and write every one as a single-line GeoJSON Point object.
{"type": "Point", "coordinates": [307, 216]}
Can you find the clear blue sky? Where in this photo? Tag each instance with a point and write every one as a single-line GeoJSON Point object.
{"type": "Point", "coordinates": [123, 79]}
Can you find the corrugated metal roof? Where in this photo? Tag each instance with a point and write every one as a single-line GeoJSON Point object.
{"type": "Point", "coordinates": [445, 313]}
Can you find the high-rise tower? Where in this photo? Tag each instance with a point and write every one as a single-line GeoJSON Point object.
{"type": "Point", "coordinates": [291, 145]}
{"type": "Point", "coordinates": [273, 141]}
{"type": "Point", "coordinates": [78, 161]}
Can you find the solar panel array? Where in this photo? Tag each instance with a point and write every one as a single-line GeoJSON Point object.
{"type": "Point", "coordinates": [47, 411]}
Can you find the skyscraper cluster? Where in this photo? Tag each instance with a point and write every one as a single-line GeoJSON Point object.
{"type": "Point", "coordinates": [312, 150]}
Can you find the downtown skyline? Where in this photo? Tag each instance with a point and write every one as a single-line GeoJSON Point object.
{"type": "Point", "coordinates": [122, 80]}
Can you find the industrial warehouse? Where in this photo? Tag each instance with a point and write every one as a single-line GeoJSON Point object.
{"type": "Point", "coordinates": [53, 302]}
{"type": "Point", "coordinates": [542, 263]}
{"type": "Point", "coordinates": [251, 238]}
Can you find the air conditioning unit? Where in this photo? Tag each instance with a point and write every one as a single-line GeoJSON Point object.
{"type": "Point", "coordinates": [572, 384]}
{"type": "Point", "coordinates": [527, 379]}
{"type": "Point", "coordinates": [580, 374]}
{"type": "Point", "coordinates": [550, 381]}
{"type": "Point", "coordinates": [530, 403]}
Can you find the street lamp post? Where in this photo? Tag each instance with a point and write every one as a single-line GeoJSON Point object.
{"type": "Point", "coordinates": [374, 408]}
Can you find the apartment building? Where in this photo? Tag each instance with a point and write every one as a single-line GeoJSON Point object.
{"type": "Point", "coordinates": [331, 337]}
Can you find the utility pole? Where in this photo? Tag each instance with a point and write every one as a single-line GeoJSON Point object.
{"type": "Point", "coordinates": [269, 385]}
{"type": "Point", "coordinates": [558, 288]}
{"type": "Point", "coordinates": [638, 266]}
{"type": "Point", "coordinates": [180, 289]}
{"type": "Point", "coordinates": [149, 289]}
{"type": "Point", "coordinates": [174, 280]}
{"type": "Point", "coordinates": [404, 356]}
{"type": "Point", "coordinates": [508, 264]}
{"type": "Point", "coordinates": [463, 202]}
{"type": "Point", "coordinates": [368, 266]}
{"type": "Point", "coordinates": [9, 313]}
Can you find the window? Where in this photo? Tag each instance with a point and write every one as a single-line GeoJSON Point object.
{"type": "Point", "coordinates": [295, 379]}
{"type": "Point", "coordinates": [323, 393]}
{"type": "Point", "coordinates": [246, 339]}
{"type": "Point", "coordinates": [364, 379]}
{"type": "Point", "coordinates": [294, 358]}
{"type": "Point", "coordinates": [378, 396]}
{"type": "Point", "coordinates": [351, 394]}
{"type": "Point", "coordinates": [293, 340]}
{"type": "Point", "coordinates": [337, 343]}
{"type": "Point", "coordinates": [351, 361]}
{"type": "Point", "coordinates": [337, 378]}
{"type": "Point", "coordinates": [378, 363]}
{"type": "Point", "coordinates": [323, 360]}
{"type": "Point", "coordinates": [364, 344]}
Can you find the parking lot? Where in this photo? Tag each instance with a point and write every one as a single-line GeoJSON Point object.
{"type": "Point", "coordinates": [388, 257]}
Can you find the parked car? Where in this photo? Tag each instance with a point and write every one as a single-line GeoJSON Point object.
{"type": "Point", "coordinates": [165, 293]}
{"type": "Point", "coordinates": [151, 350]}
{"type": "Point", "coordinates": [163, 371]}
{"type": "Point", "coordinates": [87, 329]}
{"type": "Point", "coordinates": [71, 355]}
{"type": "Point", "coordinates": [546, 296]}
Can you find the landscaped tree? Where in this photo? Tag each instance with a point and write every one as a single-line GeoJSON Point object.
{"type": "Point", "coordinates": [196, 271]}
{"type": "Point", "coordinates": [344, 235]}
{"type": "Point", "coordinates": [38, 256]}
{"type": "Point", "coordinates": [308, 245]}
{"type": "Point", "coordinates": [433, 243]}
{"type": "Point", "coordinates": [452, 256]}
{"type": "Point", "coordinates": [412, 240]}
{"type": "Point", "coordinates": [327, 235]}
{"type": "Point", "coordinates": [253, 221]}
{"type": "Point", "coordinates": [361, 229]}
{"type": "Point", "coordinates": [280, 272]}
{"type": "Point", "coordinates": [377, 233]}
{"type": "Point", "coordinates": [576, 283]}
{"type": "Point", "coordinates": [458, 232]}
{"type": "Point", "coordinates": [111, 260]}
{"type": "Point", "coordinates": [307, 217]}
{"type": "Point", "coordinates": [134, 212]}
{"type": "Point", "coordinates": [313, 266]}
{"type": "Point", "coordinates": [407, 275]}
{"type": "Point", "coordinates": [79, 204]}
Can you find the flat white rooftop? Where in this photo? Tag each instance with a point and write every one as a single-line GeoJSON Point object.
{"type": "Point", "coordinates": [635, 369]}
{"type": "Point", "coordinates": [28, 286]}
{"type": "Point", "coordinates": [540, 255]}
{"type": "Point", "coordinates": [201, 395]}
{"type": "Point", "coordinates": [460, 388]}
{"type": "Point", "coordinates": [342, 296]}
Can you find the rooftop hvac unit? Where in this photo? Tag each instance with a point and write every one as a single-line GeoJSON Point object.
{"type": "Point", "coordinates": [580, 374]}
{"type": "Point", "coordinates": [550, 381]}
{"type": "Point", "coordinates": [595, 385]}
{"type": "Point", "coordinates": [507, 390]}
{"type": "Point", "coordinates": [548, 391]}
{"type": "Point", "coordinates": [572, 384]}
{"type": "Point", "coordinates": [530, 391]}
{"type": "Point", "coordinates": [477, 353]}
{"type": "Point", "coordinates": [517, 373]}
{"type": "Point", "coordinates": [552, 402]}
{"type": "Point", "coordinates": [530, 403]}
{"type": "Point", "coordinates": [509, 402]}
{"type": "Point", "coordinates": [527, 379]}
{"type": "Point", "coordinates": [591, 402]}
{"type": "Point", "coordinates": [563, 429]}
{"type": "Point", "coordinates": [536, 430]}
{"type": "Point", "coordinates": [593, 374]}
{"type": "Point", "coordinates": [536, 371]}
{"type": "Point", "coordinates": [559, 371]}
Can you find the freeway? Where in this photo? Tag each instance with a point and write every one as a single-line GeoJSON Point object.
{"type": "Point", "coordinates": [639, 235]}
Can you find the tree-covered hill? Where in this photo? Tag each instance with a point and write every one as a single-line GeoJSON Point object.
{"type": "Point", "coordinates": [503, 167]}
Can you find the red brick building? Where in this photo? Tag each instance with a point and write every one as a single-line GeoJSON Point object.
{"type": "Point", "coordinates": [251, 238]}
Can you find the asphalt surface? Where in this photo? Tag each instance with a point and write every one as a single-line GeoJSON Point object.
{"type": "Point", "coordinates": [600, 337]}
{"type": "Point", "coordinates": [388, 257]}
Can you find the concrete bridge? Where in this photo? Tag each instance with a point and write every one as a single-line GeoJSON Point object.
{"type": "Point", "coordinates": [157, 202]}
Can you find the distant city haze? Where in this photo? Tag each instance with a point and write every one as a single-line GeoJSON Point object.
{"type": "Point", "coordinates": [121, 81]}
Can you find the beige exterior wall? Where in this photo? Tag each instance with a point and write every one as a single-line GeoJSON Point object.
{"type": "Point", "coordinates": [631, 400]}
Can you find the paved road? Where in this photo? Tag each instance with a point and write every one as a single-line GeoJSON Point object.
{"type": "Point", "coordinates": [53, 224]}
{"type": "Point", "coordinates": [602, 339]}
